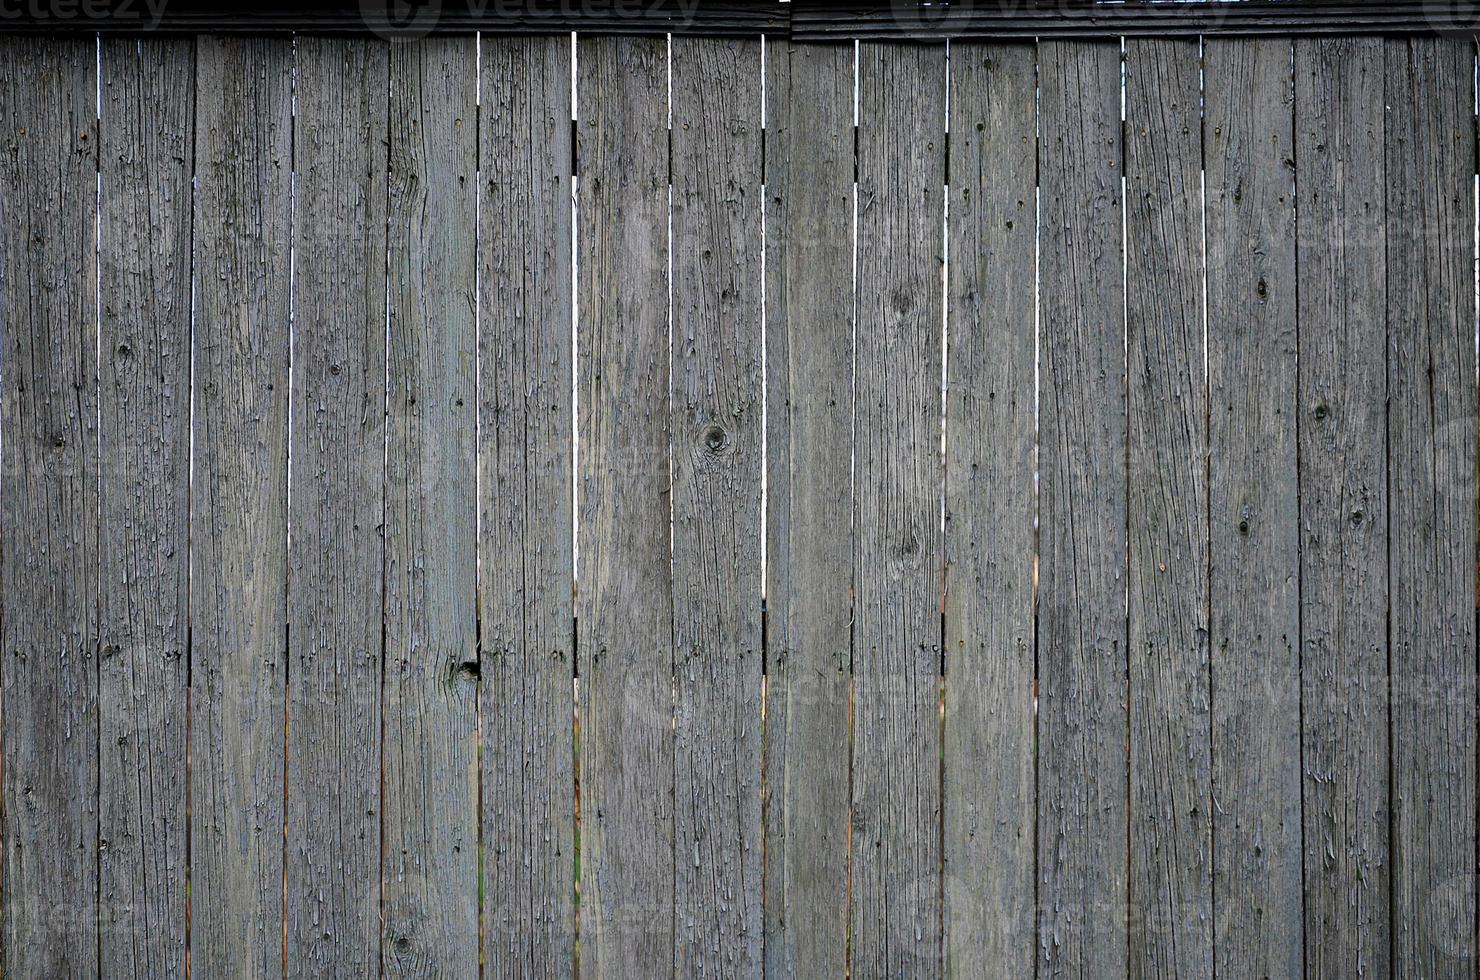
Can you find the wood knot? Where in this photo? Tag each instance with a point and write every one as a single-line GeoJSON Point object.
{"type": "Point", "coordinates": [715, 440]}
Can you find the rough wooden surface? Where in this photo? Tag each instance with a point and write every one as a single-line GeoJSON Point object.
{"type": "Point", "coordinates": [239, 498]}
{"type": "Point", "coordinates": [715, 432]}
{"type": "Point", "coordinates": [429, 861]}
{"type": "Point", "coordinates": [1171, 890]}
{"type": "Point", "coordinates": [1430, 166]}
{"type": "Point", "coordinates": [624, 594]}
{"type": "Point", "coordinates": [146, 159]}
{"type": "Point", "coordinates": [1254, 536]}
{"type": "Point", "coordinates": [525, 459]}
{"type": "Point", "coordinates": [899, 558]}
{"type": "Point", "coordinates": [991, 503]}
{"type": "Point", "coordinates": [1340, 255]}
{"type": "Point", "coordinates": [335, 561]}
{"type": "Point", "coordinates": [1082, 725]}
{"type": "Point", "coordinates": [809, 595]}
{"type": "Point", "coordinates": [49, 505]}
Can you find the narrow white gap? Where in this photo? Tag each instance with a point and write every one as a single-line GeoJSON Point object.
{"type": "Point", "coordinates": [853, 344]}
{"type": "Point", "coordinates": [575, 337]}
{"type": "Point", "coordinates": [1037, 384]}
{"type": "Point", "coordinates": [1125, 341]}
{"type": "Point", "coordinates": [668, 368]}
{"type": "Point", "coordinates": [98, 408]}
{"type": "Point", "coordinates": [97, 245]}
{"type": "Point", "coordinates": [945, 302]}
{"type": "Point", "coordinates": [765, 384]}
{"type": "Point", "coordinates": [477, 317]}
{"type": "Point", "coordinates": [292, 310]}
{"type": "Point", "coordinates": [1202, 190]}
{"type": "Point", "coordinates": [857, 57]}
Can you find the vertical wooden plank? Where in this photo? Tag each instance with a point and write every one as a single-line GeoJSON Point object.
{"type": "Point", "coordinates": [715, 429]}
{"type": "Point", "coordinates": [625, 594]}
{"type": "Point", "coordinates": [49, 505]}
{"type": "Point", "coordinates": [900, 556]}
{"type": "Point", "coordinates": [809, 373]}
{"type": "Point", "coordinates": [1430, 164]}
{"type": "Point", "coordinates": [1171, 891]}
{"type": "Point", "coordinates": [238, 511]}
{"type": "Point", "coordinates": [1343, 504]}
{"type": "Point", "coordinates": [429, 859]}
{"type": "Point", "coordinates": [1083, 726]}
{"type": "Point", "coordinates": [335, 553]}
{"type": "Point", "coordinates": [1254, 560]}
{"type": "Point", "coordinates": [144, 271]}
{"type": "Point", "coordinates": [991, 504]}
{"type": "Point", "coordinates": [525, 457]}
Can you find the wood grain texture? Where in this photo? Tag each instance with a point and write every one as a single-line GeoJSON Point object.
{"type": "Point", "coordinates": [1171, 891]}
{"type": "Point", "coordinates": [991, 504]}
{"type": "Point", "coordinates": [1430, 166]}
{"type": "Point", "coordinates": [146, 155]}
{"type": "Point", "coordinates": [429, 864]}
{"type": "Point", "coordinates": [1254, 536]}
{"type": "Point", "coordinates": [809, 586]}
{"type": "Point", "coordinates": [335, 552]}
{"type": "Point", "coordinates": [625, 589]}
{"type": "Point", "coordinates": [49, 505]}
{"type": "Point", "coordinates": [899, 559]}
{"type": "Point", "coordinates": [715, 432]}
{"type": "Point", "coordinates": [1082, 662]}
{"type": "Point", "coordinates": [1340, 185]}
{"type": "Point", "coordinates": [239, 498]}
{"type": "Point", "coordinates": [525, 459]}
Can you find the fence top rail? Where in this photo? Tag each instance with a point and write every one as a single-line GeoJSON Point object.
{"type": "Point", "coordinates": [799, 20]}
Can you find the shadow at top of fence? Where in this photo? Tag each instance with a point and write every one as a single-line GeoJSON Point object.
{"type": "Point", "coordinates": [802, 20]}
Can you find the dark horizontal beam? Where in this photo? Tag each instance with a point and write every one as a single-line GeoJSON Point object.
{"type": "Point", "coordinates": [817, 20]}
{"type": "Point", "coordinates": [806, 20]}
{"type": "Point", "coordinates": [397, 18]}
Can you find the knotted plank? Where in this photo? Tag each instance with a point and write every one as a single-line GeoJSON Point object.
{"type": "Point", "coordinates": [337, 491]}
{"type": "Point", "coordinates": [429, 860]}
{"type": "Point", "coordinates": [991, 503]}
{"type": "Point", "coordinates": [1082, 724]}
{"type": "Point", "coordinates": [715, 432]}
{"type": "Point", "coordinates": [809, 447]}
{"type": "Point", "coordinates": [899, 558]}
{"type": "Point", "coordinates": [1254, 530]}
{"type": "Point", "coordinates": [144, 286]}
{"type": "Point", "coordinates": [525, 459]}
{"type": "Point", "coordinates": [239, 503]}
{"type": "Point", "coordinates": [49, 505]}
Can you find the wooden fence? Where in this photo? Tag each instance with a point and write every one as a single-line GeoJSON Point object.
{"type": "Point", "coordinates": [994, 510]}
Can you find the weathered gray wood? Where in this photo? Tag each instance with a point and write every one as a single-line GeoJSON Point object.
{"type": "Point", "coordinates": [715, 430]}
{"type": "Point", "coordinates": [809, 374]}
{"type": "Point", "coordinates": [1171, 890]}
{"type": "Point", "coordinates": [430, 831]}
{"type": "Point", "coordinates": [49, 505]}
{"type": "Point", "coordinates": [335, 559]}
{"type": "Point", "coordinates": [1430, 165]}
{"type": "Point", "coordinates": [625, 596]}
{"type": "Point", "coordinates": [1082, 725]}
{"type": "Point", "coordinates": [144, 279]}
{"type": "Point", "coordinates": [238, 512]}
{"type": "Point", "coordinates": [900, 557]}
{"type": "Point", "coordinates": [1254, 562]}
{"type": "Point", "coordinates": [991, 502]}
{"type": "Point", "coordinates": [1340, 255]}
{"type": "Point", "coordinates": [525, 456]}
